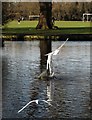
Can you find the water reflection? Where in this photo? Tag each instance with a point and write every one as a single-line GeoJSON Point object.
{"type": "Point", "coordinates": [68, 92]}
{"type": "Point", "coordinates": [45, 47]}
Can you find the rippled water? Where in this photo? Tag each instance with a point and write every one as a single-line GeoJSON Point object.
{"type": "Point", "coordinates": [69, 90]}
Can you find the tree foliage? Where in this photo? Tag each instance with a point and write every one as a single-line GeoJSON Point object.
{"type": "Point", "coordinates": [7, 12]}
{"type": "Point", "coordinates": [60, 10]}
{"type": "Point", "coordinates": [71, 10]}
{"type": "Point", "coordinates": [25, 9]}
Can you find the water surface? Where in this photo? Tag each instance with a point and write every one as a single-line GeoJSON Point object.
{"type": "Point", "coordinates": [69, 90]}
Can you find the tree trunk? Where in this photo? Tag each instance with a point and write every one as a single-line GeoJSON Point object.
{"type": "Point", "coordinates": [45, 48]}
{"type": "Point", "coordinates": [45, 18]}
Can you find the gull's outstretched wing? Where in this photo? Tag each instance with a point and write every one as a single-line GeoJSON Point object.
{"type": "Point", "coordinates": [55, 52]}
{"type": "Point", "coordinates": [58, 49]}
{"type": "Point", "coordinates": [36, 101]}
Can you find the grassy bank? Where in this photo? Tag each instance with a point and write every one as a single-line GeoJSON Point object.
{"type": "Point", "coordinates": [65, 27]}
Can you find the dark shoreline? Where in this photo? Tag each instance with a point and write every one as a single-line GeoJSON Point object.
{"type": "Point", "coordinates": [77, 37]}
{"type": "Point", "coordinates": [72, 37]}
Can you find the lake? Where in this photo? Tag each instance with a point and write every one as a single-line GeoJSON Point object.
{"type": "Point", "coordinates": [68, 91]}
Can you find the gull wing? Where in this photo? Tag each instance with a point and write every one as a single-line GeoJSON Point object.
{"type": "Point", "coordinates": [55, 52]}
{"type": "Point", "coordinates": [27, 105]}
{"type": "Point", "coordinates": [58, 49]}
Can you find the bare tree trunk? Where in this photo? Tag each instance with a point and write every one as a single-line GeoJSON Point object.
{"type": "Point", "coordinates": [45, 19]}
{"type": "Point", "coordinates": [45, 48]}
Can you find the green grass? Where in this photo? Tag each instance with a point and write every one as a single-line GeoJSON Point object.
{"type": "Point", "coordinates": [72, 24]}
{"type": "Point", "coordinates": [60, 24]}
{"type": "Point", "coordinates": [23, 24]}
{"type": "Point", "coordinates": [65, 27]}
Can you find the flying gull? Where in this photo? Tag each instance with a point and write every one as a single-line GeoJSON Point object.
{"type": "Point", "coordinates": [49, 59]}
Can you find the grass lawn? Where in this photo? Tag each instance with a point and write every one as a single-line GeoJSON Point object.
{"type": "Point", "coordinates": [73, 24]}
{"type": "Point", "coordinates": [23, 24]}
{"type": "Point", "coordinates": [65, 27]}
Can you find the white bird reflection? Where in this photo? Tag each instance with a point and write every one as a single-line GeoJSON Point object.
{"type": "Point", "coordinates": [51, 73]}
{"type": "Point", "coordinates": [36, 101]}
{"type": "Point", "coordinates": [50, 91]}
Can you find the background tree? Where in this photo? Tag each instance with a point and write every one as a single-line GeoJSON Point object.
{"type": "Point", "coordinates": [25, 9]}
{"type": "Point", "coordinates": [7, 12]}
{"type": "Point", "coordinates": [60, 11]}
{"type": "Point", "coordinates": [71, 10]}
{"type": "Point", "coordinates": [45, 19]}
{"type": "Point", "coordinates": [4, 12]}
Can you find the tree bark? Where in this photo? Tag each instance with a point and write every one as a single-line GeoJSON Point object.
{"type": "Point", "coordinates": [45, 18]}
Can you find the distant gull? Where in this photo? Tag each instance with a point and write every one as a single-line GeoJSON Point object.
{"type": "Point", "coordinates": [36, 101]}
